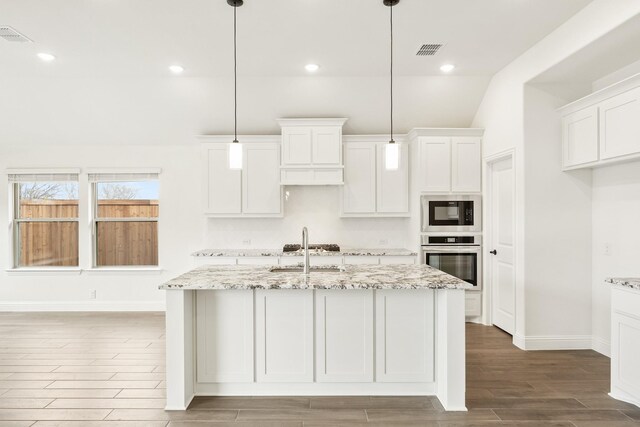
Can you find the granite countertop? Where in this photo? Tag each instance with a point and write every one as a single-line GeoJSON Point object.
{"type": "Point", "coordinates": [629, 282]}
{"type": "Point", "coordinates": [278, 252]}
{"type": "Point", "coordinates": [417, 276]}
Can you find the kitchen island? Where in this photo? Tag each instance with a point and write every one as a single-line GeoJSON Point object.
{"type": "Point", "coordinates": [339, 330]}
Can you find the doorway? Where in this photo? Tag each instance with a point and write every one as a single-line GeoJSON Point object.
{"type": "Point", "coordinates": [501, 241]}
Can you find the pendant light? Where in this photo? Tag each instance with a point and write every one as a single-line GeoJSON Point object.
{"type": "Point", "coordinates": [235, 148]}
{"type": "Point", "coordinates": [392, 150]}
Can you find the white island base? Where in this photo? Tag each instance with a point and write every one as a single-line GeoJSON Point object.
{"type": "Point", "coordinates": [316, 342]}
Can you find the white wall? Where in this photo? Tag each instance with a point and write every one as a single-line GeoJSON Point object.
{"type": "Point", "coordinates": [318, 209]}
{"type": "Point", "coordinates": [180, 230]}
{"type": "Point", "coordinates": [502, 113]}
{"type": "Point", "coordinates": [616, 224]}
{"type": "Point", "coordinates": [557, 231]}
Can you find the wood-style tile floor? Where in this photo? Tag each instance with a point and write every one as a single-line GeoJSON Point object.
{"type": "Point", "coordinates": [107, 369]}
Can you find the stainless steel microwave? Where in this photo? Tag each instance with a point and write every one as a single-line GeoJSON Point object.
{"type": "Point", "coordinates": [460, 213]}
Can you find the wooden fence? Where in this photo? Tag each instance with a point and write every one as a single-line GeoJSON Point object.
{"type": "Point", "coordinates": [118, 243]}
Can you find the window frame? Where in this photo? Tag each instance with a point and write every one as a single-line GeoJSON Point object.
{"type": "Point", "coordinates": [14, 212]}
{"type": "Point", "coordinates": [95, 219]}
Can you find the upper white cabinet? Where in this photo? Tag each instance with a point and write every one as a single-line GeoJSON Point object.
{"type": "Point", "coordinates": [254, 191]}
{"type": "Point", "coordinates": [311, 151]}
{"type": "Point", "coordinates": [450, 164]}
{"type": "Point", "coordinates": [602, 128]}
{"type": "Point", "coordinates": [620, 125]}
{"type": "Point", "coordinates": [580, 136]}
{"type": "Point", "coordinates": [369, 189]}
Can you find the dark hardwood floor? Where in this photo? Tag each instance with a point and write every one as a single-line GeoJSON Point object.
{"type": "Point", "coordinates": [107, 369]}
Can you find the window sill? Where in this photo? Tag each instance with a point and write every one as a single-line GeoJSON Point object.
{"type": "Point", "coordinates": [44, 271]}
{"type": "Point", "coordinates": [123, 270]}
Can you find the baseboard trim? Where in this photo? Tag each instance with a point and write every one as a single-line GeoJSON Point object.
{"type": "Point", "coordinates": [83, 306]}
{"type": "Point", "coordinates": [601, 346]}
{"type": "Point", "coordinates": [556, 342]}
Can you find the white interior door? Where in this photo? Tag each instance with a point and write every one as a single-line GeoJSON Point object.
{"type": "Point", "coordinates": [501, 255]}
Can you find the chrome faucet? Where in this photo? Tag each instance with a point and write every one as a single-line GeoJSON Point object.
{"type": "Point", "coordinates": [305, 247]}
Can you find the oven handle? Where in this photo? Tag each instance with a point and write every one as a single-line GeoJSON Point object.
{"type": "Point", "coordinates": [457, 249]}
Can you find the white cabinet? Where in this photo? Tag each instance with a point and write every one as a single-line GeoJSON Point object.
{"type": "Point", "coordinates": [311, 151]}
{"type": "Point", "coordinates": [224, 328]}
{"type": "Point", "coordinates": [223, 185]}
{"type": "Point", "coordinates": [344, 336]}
{"type": "Point", "coordinates": [620, 125]}
{"type": "Point", "coordinates": [254, 191]}
{"type": "Point", "coordinates": [392, 186]}
{"type": "Point", "coordinates": [450, 164]}
{"type": "Point", "coordinates": [359, 191]}
{"type": "Point", "coordinates": [602, 128]}
{"type": "Point", "coordinates": [625, 344]}
{"type": "Point", "coordinates": [284, 336]}
{"type": "Point", "coordinates": [395, 260]}
{"type": "Point", "coordinates": [466, 165]}
{"type": "Point", "coordinates": [261, 191]}
{"type": "Point", "coordinates": [472, 303]}
{"type": "Point", "coordinates": [435, 164]}
{"type": "Point", "coordinates": [405, 329]}
{"type": "Point", "coordinates": [580, 136]}
{"type": "Point", "coordinates": [369, 189]}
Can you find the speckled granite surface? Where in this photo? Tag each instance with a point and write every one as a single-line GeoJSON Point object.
{"type": "Point", "coordinates": [279, 252]}
{"type": "Point", "coordinates": [418, 276]}
{"type": "Point", "coordinates": [629, 282]}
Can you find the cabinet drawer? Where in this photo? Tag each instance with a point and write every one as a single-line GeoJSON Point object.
{"type": "Point", "coordinates": [265, 260]}
{"type": "Point", "coordinates": [213, 260]}
{"type": "Point", "coordinates": [473, 304]}
{"type": "Point", "coordinates": [388, 260]}
{"type": "Point", "coordinates": [325, 260]}
{"type": "Point", "coordinates": [361, 260]}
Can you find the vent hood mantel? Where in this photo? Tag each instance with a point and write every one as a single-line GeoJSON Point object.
{"type": "Point", "coordinates": [311, 151]}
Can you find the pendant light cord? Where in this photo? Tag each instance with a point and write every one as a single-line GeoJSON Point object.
{"type": "Point", "coordinates": [235, 78]}
{"type": "Point", "coordinates": [391, 21]}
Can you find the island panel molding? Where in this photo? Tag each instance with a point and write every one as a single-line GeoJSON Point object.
{"type": "Point", "coordinates": [314, 335]}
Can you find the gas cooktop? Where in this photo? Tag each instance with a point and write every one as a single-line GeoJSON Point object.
{"type": "Point", "coordinates": [328, 247]}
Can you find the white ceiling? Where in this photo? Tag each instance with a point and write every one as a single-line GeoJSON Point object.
{"type": "Point", "coordinates": [96, 38]}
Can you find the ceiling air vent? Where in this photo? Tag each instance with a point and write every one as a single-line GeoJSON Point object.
{"type": "Point", "coordinates": [429, 49]}
{"type": "Point", "coordinates": [11, 35]}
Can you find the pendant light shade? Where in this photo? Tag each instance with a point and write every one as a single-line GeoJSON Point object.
{"type": "Point", "coordinates": [235, 155]}
{"type": "Point", "coordinates": [392, 150]}
{"type": "Point", "coordinates": [235, 148]}
{"type": "Point", "coordinates": [392, 156]}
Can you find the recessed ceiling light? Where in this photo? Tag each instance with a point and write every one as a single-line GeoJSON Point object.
{"type": "Point", "coordinates": [447, 68]}
{"type": "Point", "coordinates": [312, 68]}
{"type": "Point", "coordinates": [46, 57]}
{"type": "Point", "coordinates": [176, 69]}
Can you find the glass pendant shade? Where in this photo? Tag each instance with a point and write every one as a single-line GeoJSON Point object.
{"type": "Point", "coordinates": [235, 155]}
{"type": "Point", "coordinates": [392, 156]}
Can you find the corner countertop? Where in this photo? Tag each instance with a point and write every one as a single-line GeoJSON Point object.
{"type": "Point", "coordinates": [415, 276]}
{"type": "Point", "coordinates": [279, 252]}
{"type": "Point", "coordinates": [629, 282]}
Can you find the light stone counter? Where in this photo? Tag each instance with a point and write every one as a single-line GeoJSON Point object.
{"type": "Point", "coordinates": [416, 276]}
{"type": "Point", "coordinates": [629, 282]}
{"type": "Point", "coordinates": [234, 253]}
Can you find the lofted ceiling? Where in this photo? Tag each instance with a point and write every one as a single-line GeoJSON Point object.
{"type": "Point", "coordinates": [276, 37]}
{"type": "Point", "coordinates": [110, 83]}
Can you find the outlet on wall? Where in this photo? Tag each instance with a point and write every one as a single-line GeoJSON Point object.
{"type": "Point", "coordinates": [92, 294]}
{"type": "Point", "coordinates": [607, 249]}
{"type": "Point", "coordinates": [384, 242]}
{"type": "Point", "coordinates": [246, 242]}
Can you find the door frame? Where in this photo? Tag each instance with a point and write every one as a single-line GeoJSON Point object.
{"type": "Point", "coordinates": [488, 163]}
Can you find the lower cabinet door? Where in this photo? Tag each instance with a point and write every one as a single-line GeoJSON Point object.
{"type": "Point", "coordinates": [405, 329]}
{"type": "Point", "coordinates": [344, 335]}
{"type": "Point", "coordinates": [284, 336]}
{"type": "Point", "coordinates": [224, 325]}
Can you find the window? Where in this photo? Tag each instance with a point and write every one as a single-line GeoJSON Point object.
{"type": "Point", "coordinates": [125, 219]}
{"type": "Point", "coordinates": [45, 219]}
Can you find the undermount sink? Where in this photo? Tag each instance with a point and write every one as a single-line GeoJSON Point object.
{"type": "Point", "coordinates": [300, 269]}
